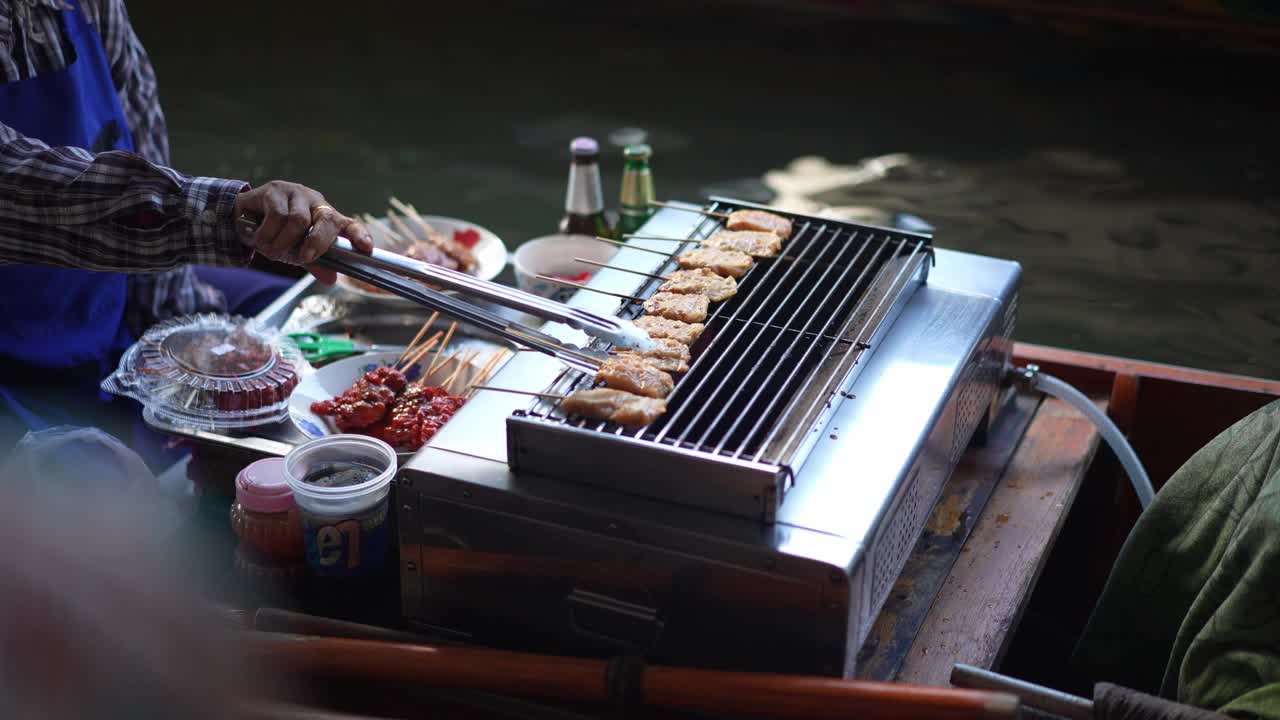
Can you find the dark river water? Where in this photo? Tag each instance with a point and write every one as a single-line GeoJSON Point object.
{"type": "Point", "coordinates": [1136, 182]}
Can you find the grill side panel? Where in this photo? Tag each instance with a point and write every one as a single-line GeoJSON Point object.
{"type": "Point", "coordinates": [631, 466]}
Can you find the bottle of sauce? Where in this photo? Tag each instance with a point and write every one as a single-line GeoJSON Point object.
{"type": "Point", "coordinates": [265, 518]}
{"type": "Point", "coordinates": [584, 200]}
{"type": "Point", "coordinates": [637, 189]}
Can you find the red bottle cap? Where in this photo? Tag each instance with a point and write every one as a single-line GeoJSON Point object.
{"type": "Point", "coordinates": [261, 487]}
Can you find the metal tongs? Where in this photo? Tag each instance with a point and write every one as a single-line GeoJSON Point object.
{"type": "Point", "coordinates": [383, 269]}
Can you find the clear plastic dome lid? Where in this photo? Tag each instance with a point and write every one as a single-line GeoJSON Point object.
{"type": "Point", "coordinates": [210, 371]}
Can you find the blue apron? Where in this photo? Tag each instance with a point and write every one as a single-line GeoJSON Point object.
{"type": "Point", "coordinates": [56, 321]}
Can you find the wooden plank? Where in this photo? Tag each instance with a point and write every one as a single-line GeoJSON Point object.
{"type": "Point", "coordinates": [1044, 355]}
{"type": "Point", "coordinates": [988, 588]}
{"type": "Point", "coordinates": [965, 494]}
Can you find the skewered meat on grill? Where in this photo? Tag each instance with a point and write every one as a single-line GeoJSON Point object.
{"type": "Point", "coordinates": [667, 355]}
{"type": "Point", "coordinates": [659, 327]}
{"type": "Point", "coordinates": [614, 406]}
{"type": "Point", "coordinates": [701, 281]}
{"type": "Point", "coordinates": [759, 220]}
{"type": "Point", "coordinates": [752, 242]}
{"type": "Point", "coordinates": [729, 263]}
{"type": "Point", "coordinates": [635, 375]}
{"type": "Point", "coordinates": [678, 306]}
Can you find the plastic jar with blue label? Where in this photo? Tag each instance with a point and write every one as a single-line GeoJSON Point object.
{"type": "Point", "coordinates": [341, 484]}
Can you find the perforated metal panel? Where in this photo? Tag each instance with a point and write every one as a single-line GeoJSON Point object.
{"type": "Point", "coordinates": [897, 539]}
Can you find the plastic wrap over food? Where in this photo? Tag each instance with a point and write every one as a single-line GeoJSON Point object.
{"type": "Point", "coordinates": [210, 371]}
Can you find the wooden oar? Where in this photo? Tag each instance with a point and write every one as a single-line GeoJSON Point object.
{"type": "Point", "coordinates": [719, 693]}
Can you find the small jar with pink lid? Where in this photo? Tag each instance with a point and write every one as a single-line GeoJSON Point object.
{"type": "Point", "coordinates": [265, 517]}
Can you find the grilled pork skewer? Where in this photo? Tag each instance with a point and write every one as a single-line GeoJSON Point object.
{"type": "Point", "coordinates": [659, 327]}
{"type": "Point", "coordinates": [701, 281]}
{"type": "Point", "coordinates": [635, 375]}
{"type": "Point", "coordinates": [754, 243]}
{"type": "Point", "coordinates": [614, 406]}
{"type": "Point", "coordinates": [729, 263]}
{"type": "Point", "coordinates": [668, 356]}
{"type": "Point", "coordinates": [742, 219]}
{"type": "Point", "coordinates": [684, 307]}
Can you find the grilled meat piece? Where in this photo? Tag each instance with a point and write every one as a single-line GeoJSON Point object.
{"type": "Point", "coordinates": [614, 406]}
{"type": "Point", "coordinates": [668, 356]}
{"type": "Point", "coordinates": [678, 306]}
{"type": "Point", "coordinates": [700, 281]}
{"type": "Point", "coordinates": [752, 242]}
{"type": "Point", "coordinates": [431, 253]}
{"type": "Point", "coordinates": [759, 220]}
{"type": "Point", "coordinates": [635, 375]}
{"type": "Point", "coordinates": [729, 263]}
{"type": "Point", "coordinates": [659, 327]}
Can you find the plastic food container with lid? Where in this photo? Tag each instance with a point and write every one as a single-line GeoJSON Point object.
{"type": "Point", "coordinates": [212, 372]}
{"type": "Point", "coordinates": [341, 484]}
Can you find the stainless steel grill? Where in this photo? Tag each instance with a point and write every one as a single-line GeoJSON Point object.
{"type": "Point", "coordinates": [766, 373]}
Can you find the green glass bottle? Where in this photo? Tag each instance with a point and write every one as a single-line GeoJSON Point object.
{"type": "Point", "coordinates": [637, 189]}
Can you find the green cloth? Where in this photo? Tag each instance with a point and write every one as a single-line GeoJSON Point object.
{"type": "Point", "coordinates": [1192, 608]}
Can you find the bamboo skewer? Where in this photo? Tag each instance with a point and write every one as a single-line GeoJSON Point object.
{"type": "Point", "coordinates": [410, 212]}
{"type": "Point", "coordinates": [416, 338]}
{"type": "Point", "coordinates": [464, 362]}
{"type": "Point", "coordinates": [570, 283]}
{"type": "Point", "coordinates": [397, 240]}
{"type": "Point", "coordinates": [436, 362]}
{"type": "Point", "coordinates": [489, 366]}
{"type": "Point", "coordinates": [633, 247]}
{"type": "Point", "coordinates": [633, 236]}
{"type": "Point", "coordinates": [420, 353]}
{"type": "Point", "coordinates": [622, 269]}
{"type": "Point", "coordinates": [401, 227]}
{"type": "Point", "coordinates": [708, 213]}
{"type": "Point", "coordinates": [550, 396]}
{"type": "Point", "coordinates": [433, 370]}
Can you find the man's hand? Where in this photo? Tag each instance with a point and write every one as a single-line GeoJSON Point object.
{"type": "Point", "coordinates": [297, 226]}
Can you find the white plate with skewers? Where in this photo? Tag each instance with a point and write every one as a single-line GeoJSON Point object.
{"type": "Point", "coordinates": [465, 364]}
{"type": "Point", "coordinates": [435, 239]}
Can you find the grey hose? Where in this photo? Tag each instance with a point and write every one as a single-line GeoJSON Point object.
{"type": "Point", "coordinates": [1050, 385]}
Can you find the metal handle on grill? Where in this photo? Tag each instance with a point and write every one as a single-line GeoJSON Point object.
{"type": "Point", "coordinates": [618, 331]}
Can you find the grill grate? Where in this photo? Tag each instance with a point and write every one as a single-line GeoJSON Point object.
{"type": "Point", "coordinates": [771, 357]}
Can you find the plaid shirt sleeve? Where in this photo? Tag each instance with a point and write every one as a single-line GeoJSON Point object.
{"type": "Point", "coordinates": [113, 211]}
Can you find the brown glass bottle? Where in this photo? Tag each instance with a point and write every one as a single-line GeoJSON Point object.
{"type": "Point", "coordinates": [584, 200]}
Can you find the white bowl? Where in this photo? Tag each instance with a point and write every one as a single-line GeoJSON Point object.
{"type": "Point", "coordinates": [554, 255]}
{"type": "Point", "coordinates": [332, 379]}
{"type": "Point", "coordinates": [490, 252]}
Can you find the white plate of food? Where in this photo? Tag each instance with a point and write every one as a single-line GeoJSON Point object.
{"type": "Point", "coordinates": [403, 393]}
{"type": "Point", "coordinates": [436, 239]}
